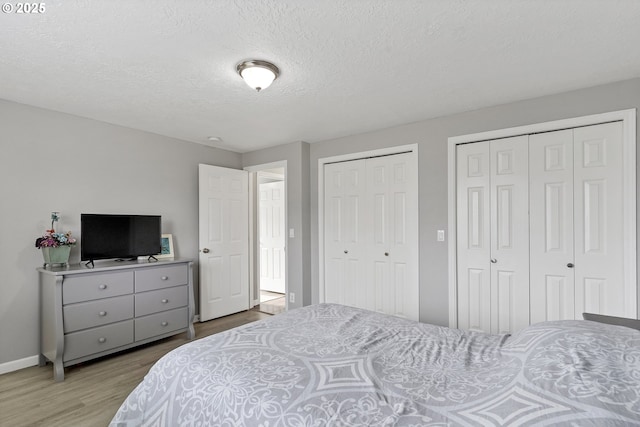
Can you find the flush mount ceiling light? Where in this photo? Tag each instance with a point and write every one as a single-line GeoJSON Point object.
{"type": "Point", "coordinates": [258, 74]}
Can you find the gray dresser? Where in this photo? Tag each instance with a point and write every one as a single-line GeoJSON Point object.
{"type": "Point", "coordinates": [90, 312]}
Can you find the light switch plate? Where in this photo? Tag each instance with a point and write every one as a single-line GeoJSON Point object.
{"type": "Point", "coordinates": [440, 235]}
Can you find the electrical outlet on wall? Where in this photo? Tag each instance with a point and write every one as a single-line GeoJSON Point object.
{"type": "Point", "coordinates": [292, 297]}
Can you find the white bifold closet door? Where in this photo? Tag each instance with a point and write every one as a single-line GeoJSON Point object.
{"type": "Point", "coordinates": [345, 239]}
{"type": "Point", "coordinates": [493, 235]}
{"type": "Point", "coordinates": [370, 234]}
{"type": "Point", "coordinates": [577, 260]}
{"type": "Point", "coordinates": [540, 228]}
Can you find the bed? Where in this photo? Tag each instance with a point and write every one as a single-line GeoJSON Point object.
{"type": "Point", "coordinates": [332, 365]}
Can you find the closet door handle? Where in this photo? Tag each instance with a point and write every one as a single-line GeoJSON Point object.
{"type": "Point", "coordinates": [493, 260]}
{"type": "Point", "coordinates": [570, 265]}
{"type": "Point", "coordinates": [386, 254]}
{"type": "Point", "coordinates": [346, 251]}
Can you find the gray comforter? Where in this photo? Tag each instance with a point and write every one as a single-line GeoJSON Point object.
{"type": "Point", "coordinates": [341, 366]}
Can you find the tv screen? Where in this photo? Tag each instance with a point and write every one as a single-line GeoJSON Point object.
{"type": "Point", "coordinates": [104, 236]}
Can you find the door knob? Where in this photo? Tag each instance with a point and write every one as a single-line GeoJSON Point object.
{"type": "Point", "coordinates": [205, 251]}
{"type": "Point", "coordinates": [386, 254]}
{"type": "Point", "coordinates": [346, 251]}
{"type": "Point", "coordinates": [570, 265]}
{"type": "Point", "coordinates": [493, 260]}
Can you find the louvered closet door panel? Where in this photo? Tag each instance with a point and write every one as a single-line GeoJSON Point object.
{"type": "Point", "coordinates": [344, 188]}
{"type": "Point", "coordinates": [598, 186]}
{"type": "Point", "coordinates": [392, 258]}
{"type": "Point", "coordinates": [473, 237]}
{"type": "Point", "coordinates": [552, 229]}
{"type": "Point", "coordinates": [509, 163]}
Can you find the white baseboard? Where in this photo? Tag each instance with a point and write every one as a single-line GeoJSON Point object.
{"type": "Point", "coordinates": [16, 365]}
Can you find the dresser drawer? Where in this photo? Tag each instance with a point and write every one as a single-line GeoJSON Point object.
{"type": "Point", "coordinates": [161, 300]}
{"type": "Point", "coordinates": [161, 323]}
{"type": "Point", "coordinates": [161, 277]}
{"type": "Point", "coordinates": [102, 338]}
{"type": "Point", "coordinates": [86, 287]}
{"type": "Point", "coordinates": [84, 315]}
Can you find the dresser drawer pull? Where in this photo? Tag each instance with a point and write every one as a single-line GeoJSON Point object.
{"type": "Point", "coordinates": [165, 277]}
{"type": "Point", "coordinates": [102, 340]}
{"type": "Point", "coordinates": [164, 301]}
{"type": "Point", "coordinates": [102, 287]}
{"type": "Point", "coordinates": [102, 313]}
{"type": "Point", "coordinates": [165, 323]}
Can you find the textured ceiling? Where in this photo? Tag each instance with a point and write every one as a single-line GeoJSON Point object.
{"type": "Point", "coordinates": [168, 66]}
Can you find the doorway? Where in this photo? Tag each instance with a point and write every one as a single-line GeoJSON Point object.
{"type": "Point", "coordinates": [269, 237]}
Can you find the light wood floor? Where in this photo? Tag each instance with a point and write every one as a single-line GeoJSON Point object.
{"type": "Point", "coordinates": [93, 391]}
{"type": "Point", "coordinates": [274, 306]}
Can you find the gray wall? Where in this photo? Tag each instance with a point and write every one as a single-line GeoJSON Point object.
{"type": "Point", "coordinates": [52, 161]}
{"type": "Point", "coordinates": [298, 263]}
{"type": "Point", "coordinates": [431, 135]}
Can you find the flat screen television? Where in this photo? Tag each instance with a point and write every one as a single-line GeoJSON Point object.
{"type": "Point", "coordinates": [106, 236]}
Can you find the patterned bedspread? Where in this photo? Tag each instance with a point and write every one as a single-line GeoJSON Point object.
{"type": "Point", "coordinates": [331, 365]}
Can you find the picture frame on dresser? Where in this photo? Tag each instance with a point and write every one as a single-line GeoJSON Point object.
{"type": "Point", "coordinates": [166, 245]}
{"type": "Point", "coordinates": [87, 313]}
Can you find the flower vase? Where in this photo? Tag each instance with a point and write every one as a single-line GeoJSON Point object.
{"type": "Point", "coordinates": [57, 255]}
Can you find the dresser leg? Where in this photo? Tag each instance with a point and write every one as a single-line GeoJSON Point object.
{"type": "Point", "coordinates": [58, 371]}
{"type": "Point", "coordinates": [191, 333]}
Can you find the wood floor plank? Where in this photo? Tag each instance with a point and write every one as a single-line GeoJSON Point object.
{"type": "Point", "coordinates": [92, 391]}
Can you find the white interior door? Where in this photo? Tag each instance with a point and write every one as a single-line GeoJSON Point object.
{"type": "Point", "coordinates": [272, 236]}
{"type": "Point", "coordinates": [582, 221]}
{"type": "Point", "coordinates": [599, 240]}
{"type": "Point", "coordinates": [509, 182]}
{"type": "Point", "coordinates": [345, 249]}
{"type": "Point", "coordinates": [224, 241]}
{"type": "Point", "coordinates": [393, 220]}
{"type": "Point", "coordinates": [371, 234]}
{"type": "Point", "coordinates": [493, 235]}
{"type": "Point", "coordinates": [473, 236]}
{"type": "Point", "coordinates": [577, 262]}
{"type": "Point", "coordinates": [552, 275]}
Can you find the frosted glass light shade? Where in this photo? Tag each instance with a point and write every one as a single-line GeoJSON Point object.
{"type": "Point", "coordinates": [258, 74]}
